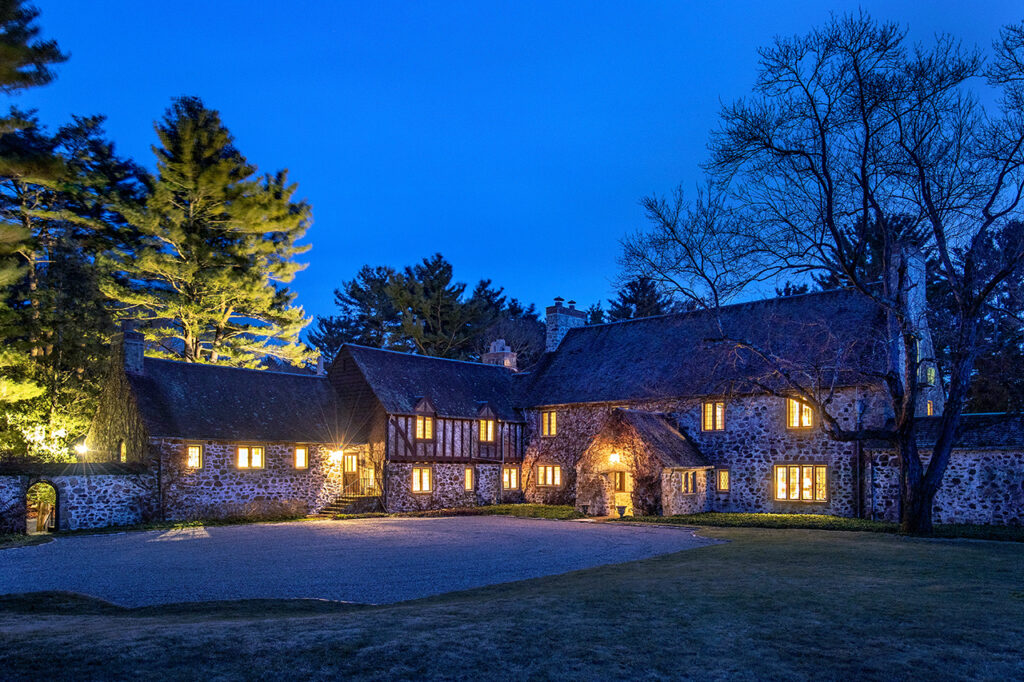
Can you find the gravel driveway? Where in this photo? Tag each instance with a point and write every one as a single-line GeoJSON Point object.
{"type": "Point", "coordinates": [370, 560]}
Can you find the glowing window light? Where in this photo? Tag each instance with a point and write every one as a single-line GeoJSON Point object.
{"type": "Point", "coordinates": [487, 430]}
{"type": "Point", "coordinates": [194, 457]}
{"type": "Point", "coordinates": [714, 416]}
{"type": "Point", "coordinates": [421, 479]}
{"type": "Point", "coordinates": [510, 478]}
{"type": "Point", "coordinates": [250, 457]}
{"type": "Point", "coordinates": [301, 457]}
{"type": "Point", "coordinates": [800, 415]}
{"type": "Point", "coordinates": [549, 475]}
{"type": "Point", "coordinates": [469, 478]}
{"type": "Point", "coordinates": [424, 428]}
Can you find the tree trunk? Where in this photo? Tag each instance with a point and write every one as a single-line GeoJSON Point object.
{"type": "Point", "coordinates": [916, 508]}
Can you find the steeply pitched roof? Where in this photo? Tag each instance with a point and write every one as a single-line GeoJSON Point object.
{"type": "Point", "coordinates": [665, 441]}
{"type": "Point", "coordinates": [454, 387]}
{"type": "Point", "coordinates": [682, 354]}
{"type": "Point", "coordinates": [188, 400]}
{"type": "Point", "coordinates": [996, 430]}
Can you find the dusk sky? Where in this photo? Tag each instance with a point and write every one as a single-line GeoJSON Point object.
{"type": "Point", "coordinates": [514, 138]}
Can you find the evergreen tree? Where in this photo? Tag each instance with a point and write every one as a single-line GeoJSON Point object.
{"type": "Point", "coordinates": [639, 297]}
{"type": "Point", "coordinates": [206, 283]}
{"type": "Point", "coordinates": [367, 315]}
{"type": "Point", "coordinates": [595, 314]}
{"type": "Point", "coordinates": [434, 317]}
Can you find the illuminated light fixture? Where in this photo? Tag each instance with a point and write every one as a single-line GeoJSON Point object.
{"type": "Point", "coordinates": [614, 458]}
{"type": "Point", "coordinates": [81, 448]}
{"type": "Point", "coordinates": [336, 455]}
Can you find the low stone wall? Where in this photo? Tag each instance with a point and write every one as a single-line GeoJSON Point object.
{"type": "Point", "coordinates": [12, 503]}
{"type": "Point", "coordinates": [84, 500]}
{"type": "Point", "coordinates": [219, 488]}
{"type": "Point", "coordinates": [980, 486]}
{"type": "Point", "coordinates": [448, 487]}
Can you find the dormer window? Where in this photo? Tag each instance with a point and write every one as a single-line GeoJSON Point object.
{"type": "Point", "coordinates": [487, 430]}
{"type": "Point", "coordinates": [424, 427]}
{"type": "Point", "coordinates": [799, 415]}
{"type": "Point", "coordinates": [548, 423]}
{"type": "Point", "coordinates": [713, 418]}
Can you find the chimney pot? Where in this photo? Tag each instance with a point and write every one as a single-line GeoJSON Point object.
{"type": "Point", "coordinates": [500, 354]}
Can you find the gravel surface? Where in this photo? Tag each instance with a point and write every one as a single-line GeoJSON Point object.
{"type": "Point", "coordinates": [368, 560]}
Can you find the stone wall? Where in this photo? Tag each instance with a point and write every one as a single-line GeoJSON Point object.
{"type": "Point", "coordinates": [674, 501]}
{"type": "Point", "coordinates": [755, 439]}
{"type": "Point", "coordinates": [83, 500]}
{"type": "Point", "coordinates": [447, 489]}
{"type": "Point", "coordinates": [219, 488]}
{"type": "Point", "coordinates": [980, 486]}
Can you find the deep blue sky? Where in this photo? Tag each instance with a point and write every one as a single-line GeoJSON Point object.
{"type": "Point", "coordinates": [515, 138]}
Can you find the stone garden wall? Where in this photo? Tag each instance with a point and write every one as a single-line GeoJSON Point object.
{"type": "Point", "coordinates": [84, 499]}
{"type": "Point", "coordinates": [980, 486]}
{"type": "Point", "coordinates": [448, 487]}
{"type": "Point", "coordinates": [219, 488]}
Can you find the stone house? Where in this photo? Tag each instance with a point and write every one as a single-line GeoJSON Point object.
{"type": "Point", "coordinates": [662, 415]}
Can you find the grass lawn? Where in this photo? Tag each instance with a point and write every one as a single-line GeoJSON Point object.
{"type": "Point", "coordinates": [795, 604]}
{"type": "Point", "coordinates": [8, 540]}
{"type": "Point", "coordinates": [523, 511]}
{"type": "Point", "coordinates": [823, 522]}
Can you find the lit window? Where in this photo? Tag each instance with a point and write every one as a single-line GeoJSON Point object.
{"type": "Point", "coordinates": [301, 457]}
{"type": "Point", "coordinates": [548, 423]}
{"type": "Point", "coordinates": [620, 481]}
{"type": "Point", "coordinates": [469, 478]}
{"type": "Point", "coordinates": [194, 456]}
{"type": "Point", "coordinates": [714, 416]}
{"type": "Point", "coordinates": [689, 486]}
{"type": "Point", "coordinates": [424, 428]}
{"type": "Point", "coordinates": [929, 375]}
{"type": "Point", "coordinates": [799, 414]}
{"type": "Point", "coordinates": [930, 408]}
{"type": "Point", "coordinates": [487, 430]}
{"type": "Point", "coordinates": [421, 479]}
{"type": "Point", "coordinates": [549, 475]}
{"type": "Point", "coordinates": [801, 483]}
{"type": "Point", "coordinates": [250, 457]}
{"type": "Point", "coordinates": [510, 478]}
{"type": "Point", "coordinates": [350, 464]}
{"type": "Point", "coordinates": [722, 480]}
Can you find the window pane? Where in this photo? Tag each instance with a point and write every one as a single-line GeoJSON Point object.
{"type": "Point", "coordinates": [807, 483]}
{"type": "Point", "coordinates": [243, 458]}
{"type": "Point", "coordinates": [194, 458]}
{"type": "Point", "coordinates": [719, 416]}
{"type": "Point", "coordinates": [301, 458]}
{"type": "Point", "coordinates": [820, 483]}
{"type": "Point", "coordinates": [708, 417]}
{"type": "Point", "coordinates": [257, 457]}
{"type": "Point", "coordinates": [807, 415]}
{"type": "Point", "coordinates": [558, 475]}
{"type": "Point", "coordinates": [469, 478]}
{"type": "Point", "coordinates": [723, 479]}
{"type": "Point", "coordinates": [780, 483]}
{"type": "Point", "coordinates": [794, 483]}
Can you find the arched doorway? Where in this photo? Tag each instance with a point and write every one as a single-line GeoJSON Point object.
{"type": "Point", "coordinates": [41, 508]}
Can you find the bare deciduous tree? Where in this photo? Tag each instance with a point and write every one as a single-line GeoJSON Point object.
{"type": "Point", "coordinates": [851, 134]}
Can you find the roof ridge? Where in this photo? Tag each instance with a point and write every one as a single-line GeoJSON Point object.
{"type": "Point", "coordinates": [243, 369]}
{"type": "Point", "coordinates": [424, 357]}
{"type": "Point", "coordinates": [683, 313]}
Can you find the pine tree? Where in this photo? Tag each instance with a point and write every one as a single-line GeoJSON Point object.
{"type": "Point", "coordinates": [218, 242]}
{"type": "Point", "coordinates": [25, 62]}
{"type": "Point", "coordinates": [435, 318]}
{"type": "Point", "coordinates": [367, 315]}
{"type": "Point", "coordinates": [639, 297]}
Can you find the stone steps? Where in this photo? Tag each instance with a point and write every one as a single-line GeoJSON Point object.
{"type": "Point", "coordinates": [349, 504]}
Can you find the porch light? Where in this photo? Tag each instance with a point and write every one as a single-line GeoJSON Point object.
{"type": "Point", "coordinates": [336, 456]}
{"type": "Point", "coordinates": [614, 458]}
{"type": "Point", "coordinates": [81, 448]}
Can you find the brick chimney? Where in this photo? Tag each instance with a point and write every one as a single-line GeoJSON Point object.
{"type": "Point", "coordinates": [559, 320]}
{"type": "Point", "coordinates": [134, 349]}
{"type": "Point", "coordinates": [500, 354]}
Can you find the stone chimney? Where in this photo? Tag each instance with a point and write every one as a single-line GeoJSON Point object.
{"type": "Point", "coordinates": [560, 320]}
{"type": "Point", "coordinates": [500, 354]}
{"type": "Point", "coordinates": [134, 349]}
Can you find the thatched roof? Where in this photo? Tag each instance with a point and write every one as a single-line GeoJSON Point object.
{"type": "Point", "coordinates": [189, 400]}
{"type": "Point", "coordinates": [832, 334]}
{"type": "Point", "coordinates": [455, 388]}
{"type": "Point", "coordinates": [664, 440]}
